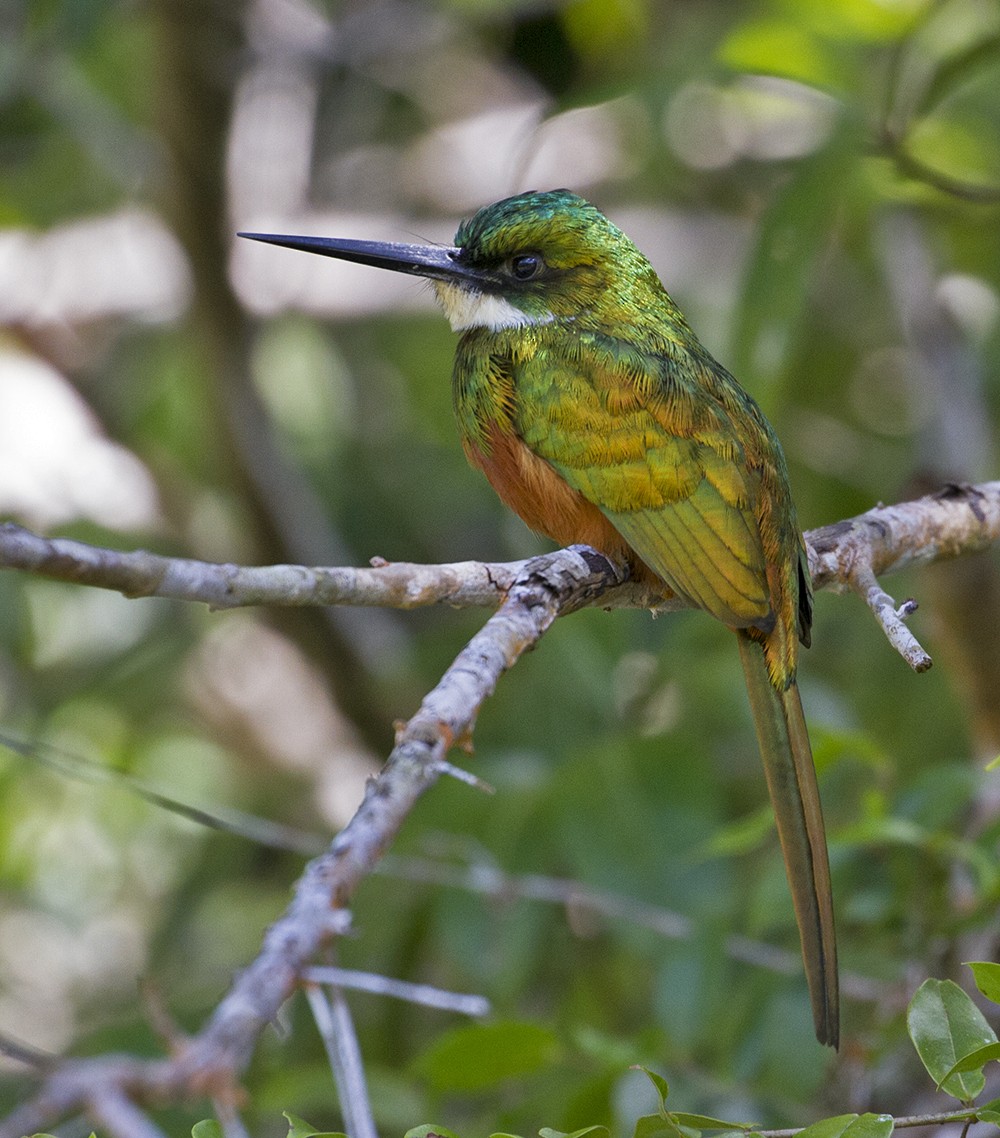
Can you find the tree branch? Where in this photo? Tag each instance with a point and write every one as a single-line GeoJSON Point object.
{"type": "Point", "coordinates": [847, 555]}
{"type": "Point", "coordinates": [958, 519]}
{"type": "Point", "coordinates": [211, 1062]}
{"type": "Point", "coordinates": [532, 595]}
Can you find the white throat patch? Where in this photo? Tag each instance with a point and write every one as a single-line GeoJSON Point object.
{"type": "Point", "coordinates": [468, 308]}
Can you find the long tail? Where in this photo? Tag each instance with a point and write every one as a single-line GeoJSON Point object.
{"type": "Point", "coordinates": [791, 779]}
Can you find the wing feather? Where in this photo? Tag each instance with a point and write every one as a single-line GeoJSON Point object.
{"type": "Point", "coordinates": [668, 470]}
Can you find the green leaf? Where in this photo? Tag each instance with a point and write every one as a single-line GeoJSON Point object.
{"type": "Point", "coordinates": [677, 1122]}
{"type": "Point", "coordinates": [297, 1128]}
{"type": "Point", "coordinates": [783, 48]}
{"type": "Point", "coordinates": [850, 1126]}
{"type": "Point", "coordinates": [945, 1026]}
{"type": "Point", "coordinates": [858, 21]}
{"type": "Point", "coordinates": [986, 973]}
{"type": "Point", "coordinates": [829, 1127]}
{"type": "Point", "coordinates": [954, 72]}
{"type": "Point", "coordinates": [659, 1085]}
{"type": "Point", "coordinates": [482, 1056]}
{"type": "Point", "coordinates": [975, 1060]}
{"type": "Point", "coordinates": [429, 1130]}
{"type": "Point", "coordinates": [207, 1128]}
{"type": "Point", "coordinates": [953, 146]}
{"type": "Point", "coordinates": [707, 1122]}
{"type": "Point", "coordinates": [652, 1125]}
{"type": "Point", "coordinates": [870, 1126]}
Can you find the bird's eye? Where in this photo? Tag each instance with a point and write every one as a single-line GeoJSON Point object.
{"type": "Point", "coordinates": [525, 266]}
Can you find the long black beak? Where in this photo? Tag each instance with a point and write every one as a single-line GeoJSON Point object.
{"type": "Point", "coordinates": [443, 264]}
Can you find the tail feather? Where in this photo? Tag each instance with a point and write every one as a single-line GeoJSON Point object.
{"type": "Point", "coordinates": [791, 780]}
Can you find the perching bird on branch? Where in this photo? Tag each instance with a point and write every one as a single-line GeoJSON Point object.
{"type": "Point", "coordinates": [597, 416]}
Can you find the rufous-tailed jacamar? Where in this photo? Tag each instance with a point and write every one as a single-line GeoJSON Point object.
{"type": "Point", "coordinates": [597, 416]}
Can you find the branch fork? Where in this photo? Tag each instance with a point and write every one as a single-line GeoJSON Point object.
{"type": "Point", "coordinates": [847, 556]}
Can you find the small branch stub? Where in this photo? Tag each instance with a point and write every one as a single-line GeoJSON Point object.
{"type": "Point", "coordinates": [890, 617]}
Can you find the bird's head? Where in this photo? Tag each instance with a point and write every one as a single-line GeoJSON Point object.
{"type": "Point", "coordinates": [526, 260]}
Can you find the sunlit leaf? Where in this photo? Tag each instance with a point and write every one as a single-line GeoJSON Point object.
{"type": "Point", "coordinates": [955, 146]}
{"type": "Point", "coordinates": [207, 1128]}
{"type": "Point", "coordinates": [781, 47]}
{"type": "Point", "coordinates": [866, 21]}
{"type": "Point", "coordinates": [605, 27]}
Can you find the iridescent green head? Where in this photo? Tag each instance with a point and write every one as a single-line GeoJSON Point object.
{"type": "Point", "coordinates": [562, 227]}
{"type": "Point", "coordinates": [542, 256]}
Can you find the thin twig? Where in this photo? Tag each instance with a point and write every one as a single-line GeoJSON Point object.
{"type": "Point", "coordinates": [229, 1119]}
{"type": "Point", "coordinates": [336, 1028]}
{"type": "Point", "coordinates": [117, 1114]}
{"type": "Point", "coordinates": [398, 989]}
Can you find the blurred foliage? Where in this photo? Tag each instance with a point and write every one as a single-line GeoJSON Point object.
{"type": "Point", "coordinates": [948, 1031]}
{"type": "Point", "coordinates": [819, 184]}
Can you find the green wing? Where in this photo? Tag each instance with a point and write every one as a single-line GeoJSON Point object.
{"type": "Point", "coordinates": [662, 460]}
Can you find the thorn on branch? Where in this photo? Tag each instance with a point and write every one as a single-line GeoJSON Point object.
{"type": "Point", "coordinates": [339, 923]}
{"type": "Point", "coordinates": [465, 776]}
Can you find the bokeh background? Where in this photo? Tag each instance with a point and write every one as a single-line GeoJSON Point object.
{"type": "Point", "coordinates": [818, 183]}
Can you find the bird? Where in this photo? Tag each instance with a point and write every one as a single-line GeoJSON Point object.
{"type": "Point", "coordinates": [597, 415]}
